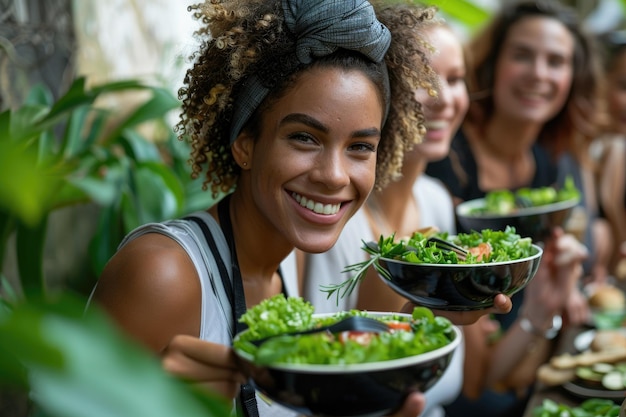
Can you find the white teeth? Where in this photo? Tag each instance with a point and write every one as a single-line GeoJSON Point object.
{"type": "Point", "coordinates": [318, 208]}
{"type": "Point", "coordinates": [436, 124]}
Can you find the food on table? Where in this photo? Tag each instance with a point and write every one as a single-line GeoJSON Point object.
{"type": "Point", "coordinates": [608, 339]}
{"type": "Point", "coordinates": [279, 315]}
{"type": "Point", "coordinates": [592, 407]}
{"type": "Point", "coordinates": [603, 375]}
{"type": "Point", "coordinates": [552, 376]}
{"type": "Point", "coordinates": [605, 369]}
{"type": "Point", "coordinates": [587, 358]}
{"type": "Point", "coordinates": [608, 307]}
{"type": "Point", "coordinates": [503, 202]}
{"type": "Point", "coordinates": [607, 297]}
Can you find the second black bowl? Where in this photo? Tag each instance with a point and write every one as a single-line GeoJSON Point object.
{"type": "Point", "coordinates": [459, 287]}
{"type": "Point", "coordinates": [534, 222]}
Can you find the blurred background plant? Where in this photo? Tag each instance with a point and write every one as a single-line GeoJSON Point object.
{"type": "Point", "coordinates": [71, 152]}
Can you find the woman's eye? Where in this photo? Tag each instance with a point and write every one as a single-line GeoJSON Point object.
{"type": "Point", "coordinates": [363, 147]}
{"type": "Point", "coordinates": [522, 56]}
{"type": "Point", "coordinates": [456, 80]}
{"type": "Point", "coordinates": [556, 61]}
{"type": "Point", "coordinates": [302, 137]}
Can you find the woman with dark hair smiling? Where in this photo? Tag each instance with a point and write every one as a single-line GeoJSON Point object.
{"type": "Point", "coordinates": [532, 79]}
{"type": "Point", "coordinates": [284, 107]}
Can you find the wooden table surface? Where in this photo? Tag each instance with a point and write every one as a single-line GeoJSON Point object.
{"type": "Point", "coordinates": [558, 394]}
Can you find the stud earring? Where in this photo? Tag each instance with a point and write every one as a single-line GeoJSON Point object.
{"type": "Point", "coordinates": [245, 164]}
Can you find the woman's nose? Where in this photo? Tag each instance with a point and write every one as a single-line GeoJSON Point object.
{"type": "Point", "coordinates": [332, 169]}
{"type": "Point", "coordinates": [540, 68]}
{"type": "Point", "coordinates": [444, 96]}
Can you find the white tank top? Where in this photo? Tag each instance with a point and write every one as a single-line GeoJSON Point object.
{"type": "Point", "coordinates": [216, 323]}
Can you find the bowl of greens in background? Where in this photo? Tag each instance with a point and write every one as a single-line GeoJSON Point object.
{"type": "Point", "coordinates": [436, 278]}
{"type": "Point", "coordinates": [345, 374]}
{"type": "Point", "coordinates": [533, 212]}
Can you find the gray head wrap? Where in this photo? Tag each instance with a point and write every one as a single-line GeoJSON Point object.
{"type": "Point", "coordinates": [320, 27]}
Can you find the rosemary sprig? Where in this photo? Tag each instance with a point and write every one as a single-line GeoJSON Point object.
{"type": "Point", "coordinates": [375, 251]}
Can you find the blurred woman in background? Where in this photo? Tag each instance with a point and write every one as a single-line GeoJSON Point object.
{"type": "Point", "coordinates": [531, 78]}
{"type": "Point", "coordinates": [612, 177]}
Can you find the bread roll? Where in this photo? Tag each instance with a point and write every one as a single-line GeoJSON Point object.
{"type": "Point", "coordinates": [607, 298]}
{"type": "Point", "coordinates": [608, 339]}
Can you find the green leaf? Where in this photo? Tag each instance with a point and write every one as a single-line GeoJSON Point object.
{"type": "Point", "coordinates": [107, 237]}
{"type": "Point", "coordinates": [466, 12]}
{"type": "Point", "coordinates": [72, 143]}
{"type": "Point", "coordinates": [23, 124]}
{"type": "Point", "coordinates": [159, 194]}
{"type": "Point", "coordinates": [26, 186]}
{"type": "Point", "coordinates": [80, 365]}
{"type": "Point", "coordinates": [160, 103]}
{"type": "Point", "coordinates": [30, 247]}
{"type": "Point", "coordinates": [39, 95]}
{"type": "Point", "coordinates": [139, 148]}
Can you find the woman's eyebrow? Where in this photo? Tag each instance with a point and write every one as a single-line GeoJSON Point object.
{"type": "Point", "coordinates": [316, 124]}
{"type": "Point", "coordinates": [304, 119]}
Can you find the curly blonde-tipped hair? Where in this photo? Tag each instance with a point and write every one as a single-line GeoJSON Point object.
{"type": "Point", "coordinates": [409, 69]}
{"type": "Point", "coordinates": [238, 38]}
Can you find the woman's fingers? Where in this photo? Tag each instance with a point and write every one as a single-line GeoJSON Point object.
{"type": "Point", "coordinates": [203, 363]}
{"type": "Point", "coordinates": [502, 304]}
{"type": "Point", "coordinates": [413, 406]}
{"type": "Point", "coordinates": [569, 250]}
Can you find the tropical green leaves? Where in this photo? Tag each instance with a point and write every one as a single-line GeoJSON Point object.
{"type": "Point", "coordinates": [77, 365]}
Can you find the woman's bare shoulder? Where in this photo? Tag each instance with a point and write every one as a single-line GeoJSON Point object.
{"type": "Point", "coordinates": [151, 287]}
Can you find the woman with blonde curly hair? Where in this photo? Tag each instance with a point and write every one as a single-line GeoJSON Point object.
{"type": "Point", "coordinates": [284, 108]}
{"type": "Point", "coordinates": [411, 202]}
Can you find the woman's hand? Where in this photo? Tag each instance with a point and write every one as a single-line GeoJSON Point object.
{"type": "Point", "coordinates": [560, 270]}
{"type": "Point", "coordinates": [207, 364]}
{"type": "Point", "coordinates": [577, 308]}
{"type": "Point", "coordinates": [501, 305]}
{"type": "Point", "coordinates": [413, 406]}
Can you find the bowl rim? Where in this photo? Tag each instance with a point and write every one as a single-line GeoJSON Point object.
{"type": "Point", "coordinates": [355, 368]}
{"type": "Point", "coordinates": [538, 248]}
{"type": "Point", "coordinates": [462, 209]}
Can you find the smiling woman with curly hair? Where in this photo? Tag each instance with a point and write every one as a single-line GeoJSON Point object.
{"type": "Point", "coordinates": [284, 106]}
{"type": "Point", "coordinates": [247, 38]}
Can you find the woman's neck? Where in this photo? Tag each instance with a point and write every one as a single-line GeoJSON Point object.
{"type": "Point", "coordinates": [258, 262]}
{"type": "Point", "coordinates": [503, 153]}
{"type": "Point", "coordinates": [393, 210]}
{"type": "Point", "coordinates": [507, 139]}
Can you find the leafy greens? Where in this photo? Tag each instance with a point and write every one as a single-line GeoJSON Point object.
{"type": "Point", "coordinates": [506, 245]}
{"type": "Point", "coordinates": [279, 315]}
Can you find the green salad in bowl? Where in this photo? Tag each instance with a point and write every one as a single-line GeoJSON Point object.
{"type": "Point", "coordinates": [430, 273]}
{"type": "Point", "coordinates": [345, 373]}
{"type": "Point", "coordinates": [533, 212]}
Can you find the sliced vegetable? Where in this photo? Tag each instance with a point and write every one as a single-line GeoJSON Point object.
{"type": "Point", "coordinates": [593, 407]}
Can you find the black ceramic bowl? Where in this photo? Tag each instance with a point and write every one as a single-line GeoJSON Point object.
{"type": "Point", "coordinates": [354, 390]}
{"type": "Point", "coordinates": [460, 287]}
{"type": "Point", "coordinates": [534, 222]}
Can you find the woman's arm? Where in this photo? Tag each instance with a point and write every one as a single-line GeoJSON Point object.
{"type": "Point", "coordinates": [612, 187]}
{"type": "Point", "coordinates": [152, 291]}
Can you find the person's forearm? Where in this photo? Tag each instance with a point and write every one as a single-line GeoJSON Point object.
{"type": "Point", "coordinates": [513, 347]}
